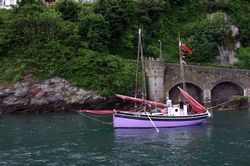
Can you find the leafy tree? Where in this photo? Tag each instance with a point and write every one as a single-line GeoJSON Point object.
{"type": "Point", "coordinates": [244, 58]}
{"type": "Point", "coordinates": [105, 73]}
{"type": "Point", "coordinates": [205, 35]}
{"type": "Point", "coordinates": [69, 9]}
{"type": "Point", "coordinates": [154, 9]}
{"type": "Point", "coordinates": [119, 14]}
{"type": "Point", "coordinates": [24, 2]}
{"type": "Point", "coordinates": [211, 6]}
{"type": "Point", "coordinates": [95, 31]}
{"type": "Point", "coordinates": [34, 24]}
{"type": "Point", "coordinates": [204, 50]}
{"type": "Point", "coordinates": [239, 11]}
{"type": "Point", "coordinates": [4, 17]}
{"type": "Point", "coordinates": [76, 40]}
{"type": "Point", "coordinates": [42, 39]}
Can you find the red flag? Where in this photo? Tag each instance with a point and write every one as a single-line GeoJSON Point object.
{"type": "Point", "coordinates": [185, 48]}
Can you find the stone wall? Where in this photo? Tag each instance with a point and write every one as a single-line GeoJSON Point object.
{"type": "Point", "coordinates": [207, 79]}
{"type": "Point", "coordinates": [155, 71]}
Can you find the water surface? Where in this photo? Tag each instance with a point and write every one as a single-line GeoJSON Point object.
{"type": "Point", "coordinates": [72, 139]}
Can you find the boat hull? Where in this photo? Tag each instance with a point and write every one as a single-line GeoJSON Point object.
{"type": "Point", "coordinates": [126, 120]}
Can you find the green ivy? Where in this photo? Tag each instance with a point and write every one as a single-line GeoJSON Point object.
{"type": "Point", "coordinates": [95, 45]}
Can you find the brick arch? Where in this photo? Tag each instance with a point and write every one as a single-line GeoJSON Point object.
{"type": "Point", "coordinates": [195, 91]}
{"type": "Point", "coordinates": [224, 90]}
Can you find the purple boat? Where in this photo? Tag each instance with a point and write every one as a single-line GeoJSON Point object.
{"type": "Point", "coordinates": [173, 117]}
{"type": "Point", "coordinates": [164, 115]}
{"type": "Point", "coordinates": [146, 120]}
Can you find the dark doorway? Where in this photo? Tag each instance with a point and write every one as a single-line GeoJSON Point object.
{"type": "Point", "coordinates": [224, 91]}
{"type": "Point", "coordinates": [193, 90]}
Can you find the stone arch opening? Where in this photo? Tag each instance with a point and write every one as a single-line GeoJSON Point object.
{"type": "Point", "coordinates": [224, 91]}
{"type": "Point", "coordinates": [193, 90]}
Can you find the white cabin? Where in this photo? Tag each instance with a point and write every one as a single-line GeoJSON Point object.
{"type": "Point", "coordinates": [176, 111]}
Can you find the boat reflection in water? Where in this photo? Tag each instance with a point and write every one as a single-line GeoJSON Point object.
{"type": "Point", "coordinates": [180, 136]}
{"type": "Point", "coordinates": [171, 146]}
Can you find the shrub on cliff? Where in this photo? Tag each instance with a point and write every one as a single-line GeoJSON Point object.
{"type": "Point", "coordinates": [204, 36]}
{"type": "Point", "coordinates": [69, 9]}
{"type": "Point", "coordinates": [105, 73]}
{"type": "Point", "coordinates": [120, 15]}
{"type": "Point", "coordinates": [93, 29]}
{"type": "Point", "coordinates": [244, 58]}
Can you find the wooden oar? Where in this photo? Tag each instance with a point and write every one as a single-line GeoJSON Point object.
{"type": "Point", "coordinates": [151, 122]}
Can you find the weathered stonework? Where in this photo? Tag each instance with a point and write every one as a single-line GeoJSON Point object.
{"type": "Point", "coordinates": [215, 84]}
{"type": "Point", "coordinates": [155, 71]}
{"type": "Point", "coordinates": [207, 96]}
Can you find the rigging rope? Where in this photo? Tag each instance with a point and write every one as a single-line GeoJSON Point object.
{"type": "Point", "coordinates": [220, 104]}
{"type": "Point", "coordinates": [90, 117]}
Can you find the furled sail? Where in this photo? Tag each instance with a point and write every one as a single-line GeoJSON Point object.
{"type": "Point", "coordinates": [152, 103]}
{"type": "Point", "coordinates": [196, 106]}
{"type": "Point", "coordinates": [98, 112]}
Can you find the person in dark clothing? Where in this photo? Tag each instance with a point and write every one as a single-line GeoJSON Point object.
{"type": "Point", "coordinates": [189, 109]}
{"type": "Point", "coordinates": [181, 105]}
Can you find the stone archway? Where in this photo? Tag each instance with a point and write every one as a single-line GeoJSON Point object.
{"type": "Point", "coordinates": [224, 91]}
{"type": "Point", "coordinates": [193, 90]}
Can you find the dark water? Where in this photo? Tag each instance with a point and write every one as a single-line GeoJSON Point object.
{"type": "Point", "coordinates": [72, 139]}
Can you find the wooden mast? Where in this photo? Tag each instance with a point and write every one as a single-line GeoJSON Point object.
{"type": "Point", "coordinates": [181, 66]}
{"type": "Point", "coordinates": [160, 49]}
{"type": "Point", "coordinates": [140, 55]}
{"type": "Point", "coordinates": [137, 64]}
{"type": "Point", "coordinates": [143, 75]}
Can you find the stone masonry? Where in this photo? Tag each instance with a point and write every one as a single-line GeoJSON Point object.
{"type": "Point", "coordinates": [213, 82]}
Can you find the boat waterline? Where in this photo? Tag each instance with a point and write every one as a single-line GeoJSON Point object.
{"type": "Point", "coordinates": [132, 121]}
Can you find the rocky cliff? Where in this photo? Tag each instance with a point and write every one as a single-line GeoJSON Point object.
{"type": "Point", "coordinates": [52, 95]}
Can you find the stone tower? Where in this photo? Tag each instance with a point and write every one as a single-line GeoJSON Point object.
{"type": "Point", "coordinates": [155, 71]}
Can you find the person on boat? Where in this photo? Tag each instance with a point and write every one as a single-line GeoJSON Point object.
{"type": "Point", "coordinates": [189, 109]}
{"type": "Point", "coordinates": [169, 105]}
{"type": "Point", "coordinates": [181, 105]}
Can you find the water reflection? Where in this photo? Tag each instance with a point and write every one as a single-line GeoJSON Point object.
{"type": "Point", "coordinates": [170, 143]}
{"type": "Point", "coordinates": [181, 135]}
{"type": "Point", "coordinates": [70, 139]}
